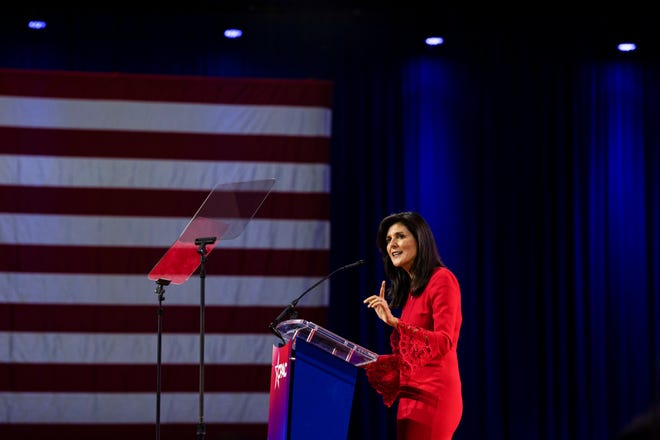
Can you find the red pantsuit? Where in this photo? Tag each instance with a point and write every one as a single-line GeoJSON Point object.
{"type": "Point", "coordinates": [422, 370]}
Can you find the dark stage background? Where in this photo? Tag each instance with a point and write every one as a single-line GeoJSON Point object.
{"type": "Point", "coordinates": [528, 142]}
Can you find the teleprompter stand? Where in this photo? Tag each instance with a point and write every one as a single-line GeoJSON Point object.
{"type": "Point", "coordinates": [160, 291]}
{"type": "Point", "coordinates": [222, 216]}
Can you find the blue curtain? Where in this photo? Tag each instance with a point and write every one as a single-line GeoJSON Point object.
{"type": "Point", "coordinates": [541, 183]}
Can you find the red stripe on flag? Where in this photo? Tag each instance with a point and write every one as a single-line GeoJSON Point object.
{"type": "Point", "coordinates": [59, 84]}
{"type": "Point", "coordinates": [102, 378]}
{"type": "Point", "coordinates": [215, 431]}
{"type": "Point", "coordinates": [104, 318]}
{"type": "Point", "coordinates": [150, 203]}
{"type": "Point", "coordinates": [124, 260]}
{"type": "Point", "coordinates": [187, 146]}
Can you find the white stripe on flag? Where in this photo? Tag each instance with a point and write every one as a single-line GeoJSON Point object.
{"type": "Point", "coordinates": [131, 407]}
{"type": "Point", "coordinates": [81, 230]}
{"type": "Point", "coordinates": [125, 348]}
{"type": "Point", "coordinates": [239, 291]}
{"type": "Point", "coordinates": [164, 116]}
{"type": "Point", "coordinates": [158, 174]}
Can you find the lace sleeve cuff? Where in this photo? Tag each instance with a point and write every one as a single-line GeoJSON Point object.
{"type": "Point", "coordinates": [383, 376]}
{"type": "Point", "coordinates": [413, 345]}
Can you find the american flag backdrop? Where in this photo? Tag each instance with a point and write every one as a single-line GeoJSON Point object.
{"type": "Point", "coordinates": [99, 175]}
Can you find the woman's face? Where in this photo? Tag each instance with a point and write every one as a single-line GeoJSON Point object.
{"type": "Point", "coordinates": [401, 246]}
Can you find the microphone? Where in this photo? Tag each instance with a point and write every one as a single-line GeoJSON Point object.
{"type": "Point", "coordinates": [290, 309]}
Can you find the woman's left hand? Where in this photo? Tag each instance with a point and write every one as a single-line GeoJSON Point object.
{"type": "Point", "coordinates": [382, 309]}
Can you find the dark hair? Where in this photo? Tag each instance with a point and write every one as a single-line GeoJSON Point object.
{"type": "Point", "coordinates": [425, 262]}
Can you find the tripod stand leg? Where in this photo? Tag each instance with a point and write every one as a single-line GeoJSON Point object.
{"type": "Point", "coordinates": [160, 291]}
{"type": "Point", "coordinates": [202, 243]}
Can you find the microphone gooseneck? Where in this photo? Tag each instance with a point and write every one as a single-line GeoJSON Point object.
{"type": "Point", "coordinates": [290, 310]}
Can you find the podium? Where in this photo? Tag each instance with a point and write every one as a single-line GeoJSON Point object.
{"type": "Point", "coordinates": [312, 382]}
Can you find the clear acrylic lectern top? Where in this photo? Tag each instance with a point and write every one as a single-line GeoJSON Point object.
{"type": "Point", "coordinates": [326, 340]}
{"type": "Point", "coordinates": [223, 215]}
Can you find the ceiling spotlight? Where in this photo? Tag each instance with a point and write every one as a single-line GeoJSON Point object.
{"type": "Point", "coordinates": [233, 33]}
{"type": "Point", "coordinates": [434, 41]}
{"type": "Point", "coordinates": [626, 47]}
{"type": "Point", "coordinates": [37, 24]}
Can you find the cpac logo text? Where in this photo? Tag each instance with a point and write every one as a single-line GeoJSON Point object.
{"type": "Point", "coordinates": [280, 372]}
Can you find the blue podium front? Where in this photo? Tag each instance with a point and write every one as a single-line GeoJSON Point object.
{"type": "Point", "coordinates": [313, 383]}
{"type": "Point", "coordinates": [321, 394]}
